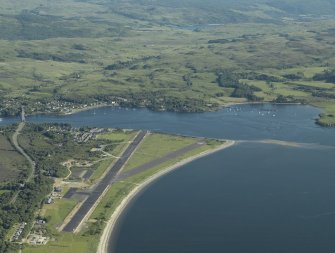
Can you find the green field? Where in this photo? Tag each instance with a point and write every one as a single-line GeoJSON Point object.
{"type": "Point", "coordinates": [114, 141]}
{"type": "Point", "coordinates": [87, 240]}
{"type": "Point", "coordinates": [155, 146]}
{"type": "Point", "coordinates": [57, 212]}
{"type": "Point", "coordinates": [183, 56]}
{"type": "Point", "coordinates": [57, 150]}
{"type": "Point", "coordinates": [164, 56]}
{"type": "Point", "coordinates": [66, 243]}
{"type": "Point", "coordinates": [11, 162]}
{"type": "Point", "coordinates": [118, 135]}
{"type": "Point", "coordinates": [120, 140]}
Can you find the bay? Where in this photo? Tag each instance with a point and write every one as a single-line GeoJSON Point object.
{"type": "Point", "coordinates": [253, 197]}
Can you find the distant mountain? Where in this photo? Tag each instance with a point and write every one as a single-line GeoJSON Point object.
{"type": "Point", "coordinates": [40, 19]}
{"type": "Point", "coordinates": [305, 7]}
{"type": "Point", "coordinates": [289, 6]}
{"type": "Point", "coordinates": [222, 11]}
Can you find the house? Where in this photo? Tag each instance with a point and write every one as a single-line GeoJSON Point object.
{"type": "Point", "coordinates": [48, 200]}
{"type": "Point", "coordinates": [58, 189]}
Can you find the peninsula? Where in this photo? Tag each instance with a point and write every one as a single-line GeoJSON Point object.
{"type": "Point", "coordinates": [90, 175]}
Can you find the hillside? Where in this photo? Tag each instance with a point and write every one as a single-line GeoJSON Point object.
{"type": "Point", "coordinates": [185, 55]}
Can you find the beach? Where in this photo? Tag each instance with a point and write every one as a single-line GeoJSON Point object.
{"type": "Point", "coordinates": [111, 224]}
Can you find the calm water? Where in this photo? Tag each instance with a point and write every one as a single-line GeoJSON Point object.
{"type": "Point", "coordinates": [285, 122]}
{"type": "Point", "coordinates": [249, 198]}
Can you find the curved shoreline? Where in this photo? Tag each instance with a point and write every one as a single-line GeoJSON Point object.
{"type": "Point", "coordinates": [108, 230]}
{"type": "Point", "coordinates": [220, 107]}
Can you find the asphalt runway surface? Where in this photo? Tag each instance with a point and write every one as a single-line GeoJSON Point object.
{"type": "Point", "coordinates": [70, 193]}
{"type": "Point", "coordinates": [160, 160]}
{"type": "Point", "coordinates": [102, 185]}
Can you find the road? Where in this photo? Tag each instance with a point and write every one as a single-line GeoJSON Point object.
{"type": "Point", "coordinates": [18, 148]}
{"type": "Point", "coordinates": [89, 204]}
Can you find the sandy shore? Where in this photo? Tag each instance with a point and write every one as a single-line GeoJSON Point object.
{"type": "Point", "coordinates": [107, 233]}
{"type": "Point", "coordinates": [87, 108]}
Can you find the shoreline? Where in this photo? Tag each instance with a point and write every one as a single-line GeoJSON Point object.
{"type": "Point", "coordinates": [87, 108]}
{"type": "Point", "coordinates": [106, 105]}
{"type": "Point", "coordinates": [112, 222]}
{"type": "Point", "coordinates": [229, 104]}
{"type": "Point", "coordinates": [220, 107]}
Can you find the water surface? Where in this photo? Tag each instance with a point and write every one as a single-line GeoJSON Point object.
{"type": "Point", "coordinates": [251, 198]}
{"type": "Point", "coordinates": [247, 199]}
{"type": "Point", "coordinates": [251, 122]}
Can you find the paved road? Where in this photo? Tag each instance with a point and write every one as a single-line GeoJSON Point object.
{"type": "Point", "coordinates": [18, 148]}
{"type": "Point", "coordinates": [86, 207]}
{"type": "Point", "coordinates": [160, 160]}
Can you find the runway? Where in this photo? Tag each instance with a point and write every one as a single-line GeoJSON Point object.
{"type": "Point", "coordinates": [101, 187]}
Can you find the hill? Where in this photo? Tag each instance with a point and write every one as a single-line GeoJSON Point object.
{"type": "Point", "coordinates": [187, 55]}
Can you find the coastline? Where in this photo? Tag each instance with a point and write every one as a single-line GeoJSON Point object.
{"type": "Point", "coordinates": [87, 108]}
{"type": "Point", "coordinates": [220, 107]}
{"type": "Point", "coordinates": [257, 103]}
{"type": "Point", "coordinates": [111, 224]}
